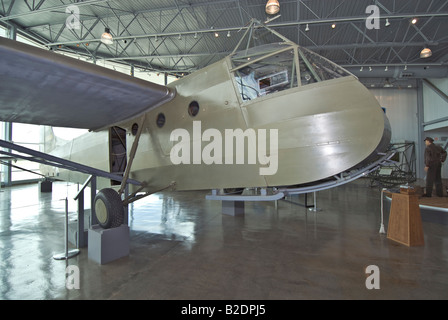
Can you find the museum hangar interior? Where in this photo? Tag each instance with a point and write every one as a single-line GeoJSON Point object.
{"type": "Point", "coordinates": [197, 231]}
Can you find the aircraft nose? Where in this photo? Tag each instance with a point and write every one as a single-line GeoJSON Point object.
{"type": "Point", "coordinates": [324, 129]}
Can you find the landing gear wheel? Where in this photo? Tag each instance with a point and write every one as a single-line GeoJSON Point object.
{"type": "Point", "coordinates": [109, 208]}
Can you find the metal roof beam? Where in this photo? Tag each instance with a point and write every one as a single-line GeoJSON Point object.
{"type": "Point", "coordinates": [274, 25]}
{"type": "Point", "coordinates": [50, 9]}
{"type": "Point", "coordinates": [165, 56]}
{"type": "Point", "coordinates": [10, 7]}
{"type": "Point", "coordinates": [96, 2]}
{"type": "Point", "coordinates": [313, 47]}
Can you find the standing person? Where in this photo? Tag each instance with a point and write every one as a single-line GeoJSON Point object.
{"type": "Point", "coordinates": [433, 168]}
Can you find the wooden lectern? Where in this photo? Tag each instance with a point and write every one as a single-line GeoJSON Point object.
{"type": "Point", "coordinates": [405, 222]}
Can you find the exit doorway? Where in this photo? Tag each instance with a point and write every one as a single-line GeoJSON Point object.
{"type": "Point", "coordinates": [117, 152]}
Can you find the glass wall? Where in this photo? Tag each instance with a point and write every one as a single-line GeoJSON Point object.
{"type": "Point", "coordinates": [28, 136]}
{"type": "Point", "coordinates": [3, 163]}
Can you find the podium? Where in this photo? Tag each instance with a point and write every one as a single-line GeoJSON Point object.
{"type": "Point", "coordinates": [405, 222]}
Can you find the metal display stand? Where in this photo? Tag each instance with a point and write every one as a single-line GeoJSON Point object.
{"type": "Point", "coordinates": [314, 207]}
{"type": "Point", "coordinates": [102, 242]}
{"type": "Point", "coordinates": [107, 245]}
{"type": "Point", "coordinates": [400, 170]}
{"type": "Point", "coordinates": [306, 205]}
{"type": "Point", "coordinates": [81, 233]}
{"type": "Point", "coordinates": [68, 253]}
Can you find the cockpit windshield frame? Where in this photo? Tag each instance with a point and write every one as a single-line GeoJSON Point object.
{"type": "Point", "coordinates": [267, 69]}
{"type": "Point", "coordinates": [276, 67]}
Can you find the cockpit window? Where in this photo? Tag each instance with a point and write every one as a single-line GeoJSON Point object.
{"type": "Point", "coordinates": [323, 69]}
{"type": "Point", "coordinates": [272, 68]}
{"type": "Point", "coordinates": [269, 69]}
{"type": "Point", "coordinates": [307, 73]}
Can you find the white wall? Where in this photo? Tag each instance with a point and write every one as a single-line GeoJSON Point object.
{"type": "Point", "coordinates": [401, 109]}
{"type": "Point", "coordinates": [435, 106]}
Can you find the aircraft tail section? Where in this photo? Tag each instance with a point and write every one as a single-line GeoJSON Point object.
{"type": "Point", "coordinates": [49, 139]}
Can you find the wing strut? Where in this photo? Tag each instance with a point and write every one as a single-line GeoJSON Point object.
{"type": "Point", "coordinates": [135, 196]}
{"type": "Point", "coordinates": [44, 158]}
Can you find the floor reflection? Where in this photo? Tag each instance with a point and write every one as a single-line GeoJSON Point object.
{"type": "Point", "coordinates": [162, 214]}
{"type": "Point", "coordinates": [183, 247]}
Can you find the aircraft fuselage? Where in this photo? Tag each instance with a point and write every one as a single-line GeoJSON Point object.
{"type": "Point", "coordinates": [305, 130]}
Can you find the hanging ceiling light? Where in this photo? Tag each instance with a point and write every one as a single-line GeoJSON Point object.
{"type": "Point", "coordinates": [425, 53]}
{"type": "Point", "coordinates": [272, 7]}
{"type": "Point", "coordinates": [106, 37]}
{"type": "Point", "coordinates": [307, 27]}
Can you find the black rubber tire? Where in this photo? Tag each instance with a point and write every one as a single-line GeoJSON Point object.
{"type": "Point", "coordinates": [109, 208]}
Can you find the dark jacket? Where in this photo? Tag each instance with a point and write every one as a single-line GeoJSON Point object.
{"type": "Point", "coordinates": [432, 155]}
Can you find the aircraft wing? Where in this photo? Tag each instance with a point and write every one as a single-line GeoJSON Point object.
{"type": "Point", "coordinates": [41, 87]}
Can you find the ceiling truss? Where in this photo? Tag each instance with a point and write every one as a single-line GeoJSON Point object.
{"type": "Point", "coordinates": [178, 35]}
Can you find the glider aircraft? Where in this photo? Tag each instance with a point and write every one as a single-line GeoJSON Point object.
{"type": "Point", "coordinates": [274, 116]}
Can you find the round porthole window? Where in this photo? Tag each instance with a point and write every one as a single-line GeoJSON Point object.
{"type": "Point", "coordinates": [160, 120]}
{"type": "Point", "coordinates": [193, 108]}
{"type": "Point", "coordinates": [134, 129]}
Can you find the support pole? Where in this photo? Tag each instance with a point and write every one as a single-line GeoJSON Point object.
{"type": "Point", "coordinates": [81, 239]}
{"type": "Point", "coordinates": [67, 254]}
{"type": "Point", "coordinates": [314, 208]}
{"type": "Point", "coordinates": [382, 229]}
{"type": "Point", "coordinates": [93, 218]}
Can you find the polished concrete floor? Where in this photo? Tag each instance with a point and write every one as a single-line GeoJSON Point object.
{"type": "Point", "coordinates": [183, 247]}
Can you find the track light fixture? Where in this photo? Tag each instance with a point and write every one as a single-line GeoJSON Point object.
{"type": "Point", "coordinates": [106, 37]}
{"type": "Point", "coordinates": [425, 53]}
{"type": "Point", "coordinates": [272, 7]}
